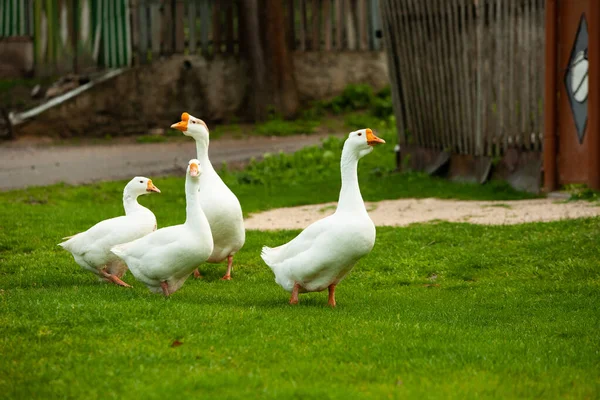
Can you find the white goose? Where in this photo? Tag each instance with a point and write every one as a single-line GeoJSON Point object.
{"type": "Point", "coordinates": [164, 259]}
{"type": "Point", "coordinates": [91, 249]}
{"type": "Point", "coordinates": [221, 206]}
{"type": "Point", "coordinates": [323, 253]}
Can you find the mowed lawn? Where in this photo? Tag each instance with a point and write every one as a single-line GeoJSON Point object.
{"type": "Point", "coordinates": [437, 310]}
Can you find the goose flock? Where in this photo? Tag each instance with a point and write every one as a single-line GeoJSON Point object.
{"type": "Point", "coordinates": [213, 231]}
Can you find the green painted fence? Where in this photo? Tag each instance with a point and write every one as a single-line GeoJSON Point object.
{"type": "Point", "coordinates": [71, 35]}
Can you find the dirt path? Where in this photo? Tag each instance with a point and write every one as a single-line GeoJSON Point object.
{"type": "Point", "coordinates": [22, 166]}
{"type": "Point", "coordinates": [407, 211]}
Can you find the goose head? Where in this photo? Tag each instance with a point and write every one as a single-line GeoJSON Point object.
{"type": "Point", "coordinates": [193, 169]}
{"type": "Point", "coordinates": [361, 142]}
{"type": "Point", "coordinates": [140, 185]}
{"type": "Point", "coordinates": [192, 126]}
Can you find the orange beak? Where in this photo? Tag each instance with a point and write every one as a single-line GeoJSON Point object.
{"type": "Point", "coordinates": [151, 187]}
{"type": "Point", "coordinates": [372, 139]}
{"type": "Point", "coordinates": [194, 169]}
{"type": "Point", "coordinates": [182, 126]}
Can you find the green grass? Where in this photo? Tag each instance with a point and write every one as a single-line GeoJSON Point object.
{"type": "Point", "coordinates": [435, 311]}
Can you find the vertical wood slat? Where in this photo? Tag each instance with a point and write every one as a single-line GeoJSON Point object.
{"type": "Point", "coordinates": [167, 28]}
{"type": "Point", "coordinates": [390, 36]}
{"type": "Point", "coordinates": [326, 17]}
{"type": "Point", "coordinates": [479, 106]}
{"type": "Point", "coordinates": [362, 24]}
{"type": "Point", "coordinates": [447, 71]}
{"type": "Point", "coordinates": [339, 24]}
{"type": "Point", "coordinates": [526, 42]}
{"type": "Point", "coordinates": [350, 25]}
{"type": "Point", "coordinates": [303, 25]}
{"type": "Point", "coordinates": [315, 39]}
{"type": "Point", "coordinates": [429, 121]}
{"type": "Point", "coordinates": [229, 32]}
{"type": "Point", "coordinates": [216, 26]}
{"type": "Point", "coordinates": [457, 67]}
{"type": "Point", "coordinates": [403, 88]}
{"type": "Point", "coordinates": [430, 51]}
{"type": "Point", "coordinates": [178, 26]}
{"type": "Point", "coordinates": [205, 18]}
{"type": "Point", "coordinates": [510, 57]}
{"type": "Point", "coordinates": [488, 78]}
{"type": "Point", "coordinates": [191, 14]}
{"type": "Point", "coordinates": [500, 75]}
{"type": "Point", "coordinates": [291, 25]}
{"type": "Point", "coordinates": [375, 42]}
{"type": "Point", "coordinates": [143, 23]}
{"type": "Point", "coordinates": [155, 29]}
{"type": "Point", "coordinates": [468, 129]}
{"type": "Point", "coordinates": [541, 75]}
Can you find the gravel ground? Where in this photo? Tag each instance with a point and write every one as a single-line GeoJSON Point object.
{"type": "Point", "coordinates": [408, 211]}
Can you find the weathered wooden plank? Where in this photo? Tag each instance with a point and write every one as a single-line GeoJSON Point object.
{"type": "Point", "coordinates": [425, 114]}
{"type": "Point", "coordinates": [205, 18]}
{"type": "Point", "coordinates": [216, 26]}
{"type": "Point", "coordinates": [448, 73]}
{"type": "Point", "coordinates": [479, 105]}
{"type": "Point", "coordinates": [463, 20]}
{"type": "Point", "coordinates": [142, 31]}
{"type": "Point", "coordinates": [155, 30]}
{"type": "Point", "coordinates": [339, 24]}
{"type": "Point", "coordinates": [390, 36]}
{"type": "Point", "coordinates": [500, 74]}
{"type": "Point", "coordinates": [540, 76]}
{"type": "Point", "coordinates": [456, 67]}
{"type": "Point", "coordinates": [376, 26]}
{"type": "Point", "coordinates": [303, 26]}
{"type": "Point", "coordinates": [525, 65]}
{"type": "Point", "coordinates": [168, 29]}
{"type": "Point", "coordinates": [315, 40]}
{"type": "Point", "coordinates": [191, 15]}
{"type": "Point", "coordinates": [291, 25]}
{"type": "Point", "coordinates": [229, 32]}
{"type": "Point", "coordinates": [178, 26]}
{"type": "Point", "coordinates": [350, 25]}
{"type": "Point", "coordinates": [434, 64]}
{"type": "Point", "coordinates": [326, 17]}
{"type": "Point", "coordinates": [362, 24]}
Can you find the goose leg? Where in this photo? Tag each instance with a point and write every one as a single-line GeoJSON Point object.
{"type": "Point", "coordinates": [294, 298]}
{"type": "Point", "coordinates": [197, 274]}
{"type": "Point", "coordinates": [227, 276]}
{"type": "Point", "coordinates": [332, 295]}
{"type": "Point", "coordinates": [165, 288]}
{"type": "Point", "coordinates": [114, 279]}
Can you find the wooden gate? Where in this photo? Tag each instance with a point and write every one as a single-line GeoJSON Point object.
{"type": "Point", "coordinates": [572, 146]}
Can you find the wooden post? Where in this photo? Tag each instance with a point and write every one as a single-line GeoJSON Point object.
{"type": "Point", "coordinates": [550, 104]}
{"type": "Point", "coordinates": [594, 97]}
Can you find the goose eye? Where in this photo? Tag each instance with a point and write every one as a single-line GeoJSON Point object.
{"type": "Point", "coordinates": [193, 122]}
{"type": "Point", "coordinates": [360, 134]}
{"type": "Point", "coordinates": [141, 181]}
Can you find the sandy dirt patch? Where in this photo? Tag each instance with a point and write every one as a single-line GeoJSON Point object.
{"type": "Point", "coordinates": [407, 211]}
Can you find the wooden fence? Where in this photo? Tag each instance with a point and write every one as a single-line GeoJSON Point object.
{"type": "Point", "coordinates": [70, 34]}
{"type": "Point", "coordinates": [210, 27]}
{"type": "Point", "coordinates": [467, 75]}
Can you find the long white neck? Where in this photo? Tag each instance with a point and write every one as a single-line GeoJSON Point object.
{"type": "Point", "coordinates": [195, 217]}
{"type": "Point", "coordinates": [350, 197]}
{"type": "Point", "coordinates": [202, 155]}
{"type": "Point", "coordinates": [130, 203]}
